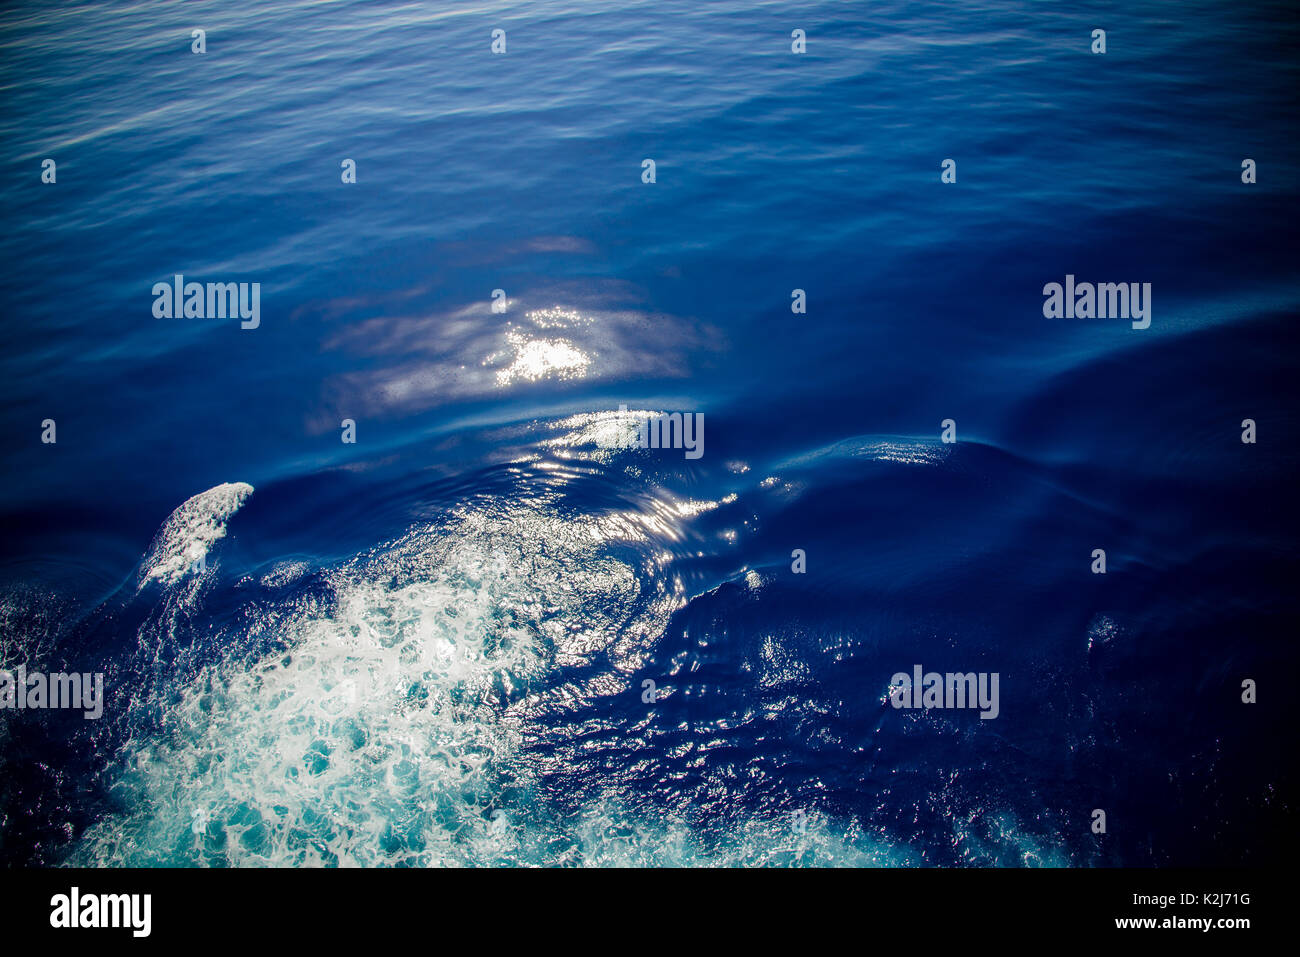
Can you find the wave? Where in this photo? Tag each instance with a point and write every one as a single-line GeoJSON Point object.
{"type": "Point", "coordinates": [383, 730]}
{"type": "Point", "coordinates": [190, 532]}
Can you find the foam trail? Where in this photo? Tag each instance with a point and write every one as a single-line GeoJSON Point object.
{"type": "Point", "coordinates": [385, 735]}
{"type": "Point", "coordinates": [190, 532]}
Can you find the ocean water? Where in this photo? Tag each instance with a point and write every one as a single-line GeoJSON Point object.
{"type": "Point", "coordinates": [430, 646]}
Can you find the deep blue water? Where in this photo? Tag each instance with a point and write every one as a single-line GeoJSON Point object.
{"type": "Point", "coordinates": [429, 646]}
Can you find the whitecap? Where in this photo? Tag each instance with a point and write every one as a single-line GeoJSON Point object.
{"type": "Point", "coordinates": [191, 531]}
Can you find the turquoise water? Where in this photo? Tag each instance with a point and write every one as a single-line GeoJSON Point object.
{"type": "Point", "coordinates": [429, 646]}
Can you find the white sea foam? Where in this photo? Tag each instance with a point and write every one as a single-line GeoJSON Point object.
{"type": "Point", "coordinates": [191, 531]}
{"type": "Point", "coordinates": [386, 733]}
{"type": "Point", "coordinates": [285, 573]}
{"type": "Point", "coordinates": [391, 730]}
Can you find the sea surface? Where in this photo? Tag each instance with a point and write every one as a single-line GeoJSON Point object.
{"type": "Point", "coordinates": [431, 645]}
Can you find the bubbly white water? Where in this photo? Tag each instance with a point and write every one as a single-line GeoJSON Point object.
{"type": "Point", "coordinates": [390, 733]}
{"type": "Point", "coordinates": [385, 735]}
{"type": "Point", "coordinates": [191, 531]}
